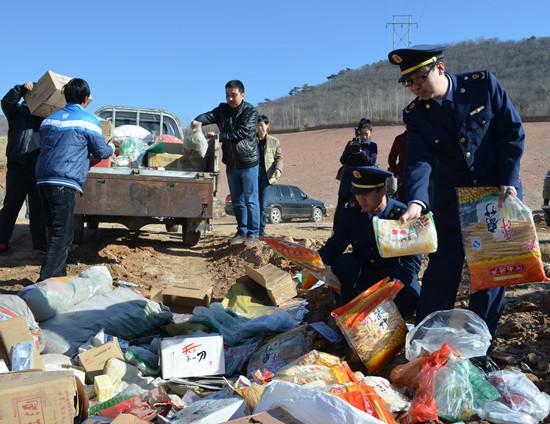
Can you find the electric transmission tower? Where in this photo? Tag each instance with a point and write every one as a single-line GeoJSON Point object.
{"type": "Point", "coordinates": [401, 29]}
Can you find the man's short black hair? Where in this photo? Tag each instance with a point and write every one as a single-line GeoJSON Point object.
{"type": "Point", "coordinates": [76, 91]}
{"type": "Point", "coordinates": [264, 119]}
{"type": "Point", "coordinates": [364, 123]}
{"type": "Point", "coordinates": [235, 84]}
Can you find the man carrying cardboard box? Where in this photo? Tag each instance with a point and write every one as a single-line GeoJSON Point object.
{"type": "Point", "coordinates": [22, 151]}
{"type": "Point", "coordinates": [67, 138]}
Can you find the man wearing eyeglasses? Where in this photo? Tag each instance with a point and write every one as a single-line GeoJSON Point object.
{"type": "Point", "coordinates": [462, 131]}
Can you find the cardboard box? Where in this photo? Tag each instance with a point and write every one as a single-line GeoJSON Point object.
{"type": "Point", "coordinates": [165, 160]}
{"type": "Point", "coordinates": [13, 331]}
{"type": "Point", "coordinates": [273, 416]}
{"type": "Point", "coordinates": [93, 360]}
{"type": "Point", "coordinates": [47, 94]}
{"type": "Point", "coordinates": [192, 356]}
{"type": "Point", "coordinates": [45, 397]}
{"type": "Point", "coordinates": [181, 298]}
{"type": "Point", "coordinates": [278, 283]}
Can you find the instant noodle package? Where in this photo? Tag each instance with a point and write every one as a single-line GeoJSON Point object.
{"type": "Point", "coordinates": [500, 243]}
{"type": "Point", "coordinates": [372, 324]}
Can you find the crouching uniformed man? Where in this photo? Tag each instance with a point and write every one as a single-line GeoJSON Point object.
{"type": "Point", "coordinates": [364, 267]}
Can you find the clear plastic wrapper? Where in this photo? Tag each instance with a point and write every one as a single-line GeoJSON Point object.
{"type": "Point", "coordinates": [22, 356]}
{"type": "Point", "coordinates": [394, 238]}
{"type": "Point", "coordinates": [500, 243]}
{"type": "Point", "coordinates": [520, 394]}
{"type": "Point", "coordinates": [372, 324]}
{"type": "Point", "coordinates": [462, 329]}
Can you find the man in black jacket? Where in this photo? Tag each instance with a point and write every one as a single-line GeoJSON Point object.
{"type": "Point", "coordinates": [22, 151]}
{"type": "Point", "coordinates": [237, 121]}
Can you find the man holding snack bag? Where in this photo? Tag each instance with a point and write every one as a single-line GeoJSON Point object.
{"type": "Point", "coordinates": [463, 131]}
{"type": "Point", "coordinates": [364, 266]}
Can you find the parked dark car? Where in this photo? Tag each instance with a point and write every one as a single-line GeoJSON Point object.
{"type": "Point", "coordinates": [546, 198]}
{"type": "Point", "coordinates": [287, 202]}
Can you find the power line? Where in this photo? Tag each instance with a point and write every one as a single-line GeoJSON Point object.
{"type": "Point", "coordinates": [401, 31]}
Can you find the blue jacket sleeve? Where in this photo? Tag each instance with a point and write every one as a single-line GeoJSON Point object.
{"type": "Point", "coordinates": [370, 153]}
{"type": "Point", "coordinates": [98, 147]}
{"type": "Point", "coordinates": [509, 133]}
{"type": "Point", "coordinates": [346, 154]}
{"type": "Point", "coordinates": [419, 163]}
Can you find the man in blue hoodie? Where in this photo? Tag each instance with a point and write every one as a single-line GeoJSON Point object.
{"type": "Point", "coordinates": [67, 138]}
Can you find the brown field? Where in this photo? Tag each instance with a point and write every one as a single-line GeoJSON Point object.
{"type": "Point", "coordinates": [312, 158]}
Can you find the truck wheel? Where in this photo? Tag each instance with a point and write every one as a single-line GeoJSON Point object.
{"type": "Point", "coordinates": [172, 228]}
{"type": "Point", "coordinates": [92, 224]}
{"type": "Point", "coordinates": [190, 238]}
{"type": "Point", "coordinates": [275, 216]}
{"type": "Point", "coordinates": [317, 214]}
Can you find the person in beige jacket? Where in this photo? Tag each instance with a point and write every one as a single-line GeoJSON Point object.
{"type": "Point", "coordinates": [271, 166]}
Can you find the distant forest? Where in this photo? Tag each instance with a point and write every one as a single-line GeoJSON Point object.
{"type": "Point", "coordinates": [523, 68]}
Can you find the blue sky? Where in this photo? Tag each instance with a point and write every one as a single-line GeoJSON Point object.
{"type": "Point", "coordinates": [177, 55]}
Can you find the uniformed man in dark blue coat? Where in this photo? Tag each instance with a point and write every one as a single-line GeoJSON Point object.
{"type": "Point", "coordinates": [462, 131]}
{"type": "Point", "coordinates": [364, 267]}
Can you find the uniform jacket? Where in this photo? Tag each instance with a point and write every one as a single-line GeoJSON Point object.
{"type": "Point", "coordinates": [356, 229]}
{"type": "Point", "coordinates": [478, 141]}
{"type": "Point", "coordinates": [67, 138]}
{"type": "Point", "coordinates": [273, 158]}
{"type": "Point", "coordinates": [23, 128]}
{"type": "Point", "coordinates": [237, 133]}
{"type": "Point", "coordinates": [367, 157]}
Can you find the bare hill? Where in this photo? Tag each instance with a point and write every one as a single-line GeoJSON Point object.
{"type": "Point", "coordinates": [521, 66]}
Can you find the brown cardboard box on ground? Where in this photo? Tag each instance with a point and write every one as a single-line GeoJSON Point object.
{"type": "Point", "coordinates": [13, 331]}
{"type": "Point", "coordinates": [47, 94]}
{"type": "Point", "coordinates": [181, 298]}
{"type": "Point", "coordinates": [278, 283]}
{"type": "Point", "coordinates": [165, 160]}
{"type": "Point", "coordinates": [93, 360]}
{"type": "Point", "coordinates": [273, 416]}
{"type": "Point", "coordinates": [45, 397]}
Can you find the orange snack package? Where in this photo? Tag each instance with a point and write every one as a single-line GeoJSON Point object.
{"type": "Point", "coordinates": [501, 243]}
{"type": "Point", "coordinates": [372, 324]}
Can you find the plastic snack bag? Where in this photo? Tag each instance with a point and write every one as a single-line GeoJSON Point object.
{"type": "Point", "coordinates": [305, 374]}
{"type": "Point", "coordinates": [396, 239]}
{"type": "Point", "coordinates": [501, 244]}
{"type": "Point", "coordinates": [307, 258]}
{"type": "Point", "coordinates": [372, 324]}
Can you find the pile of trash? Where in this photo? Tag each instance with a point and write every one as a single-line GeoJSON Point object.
{"type": "Point", "coordinates": [85, 349]}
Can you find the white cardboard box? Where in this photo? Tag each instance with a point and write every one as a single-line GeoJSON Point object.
{"type": "Point", "coordinates": [192, 356]}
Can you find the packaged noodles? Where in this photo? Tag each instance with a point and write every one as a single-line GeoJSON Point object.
{"type": "Point", "coordinates": [501, 244]}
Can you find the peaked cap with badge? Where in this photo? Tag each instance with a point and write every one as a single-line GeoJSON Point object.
{"type": "Point", "coordinates": [411, 59]}
{"type": "Point", "coordinates": [367, 178]}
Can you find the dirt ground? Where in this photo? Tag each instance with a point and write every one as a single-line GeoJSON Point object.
{"type": "Point", "coordinates": [157, 258]}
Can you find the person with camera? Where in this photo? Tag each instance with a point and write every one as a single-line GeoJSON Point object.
{"type": "Point", "coordinates": [363, 266]}
{"type": "Point", "coordinates": [361, 151]}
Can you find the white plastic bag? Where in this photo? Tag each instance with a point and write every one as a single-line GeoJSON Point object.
{"type": "Point", "coordinates": [196, 141]}
{"type": "Point", "coordinates": [311, 406]}
{"type": "Point", "coordinates": [520, 394]}
{"type": "Point", "coordinates": [12, 306]}
{"type": "Point", "coordinates": [498, 413]}
{"type": "Point", "coordinates": [121, 313]}
{"type": "Point", "coordinates": [463, 330]}
{"type": "Point", "coordinates": [396, 239]}
{"type": "Point", "coordinates": [235, 329]}
{"type": "Point", "coordinates": [58, 294]}
{"type": "Point", "coordinates": [134, 131]}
